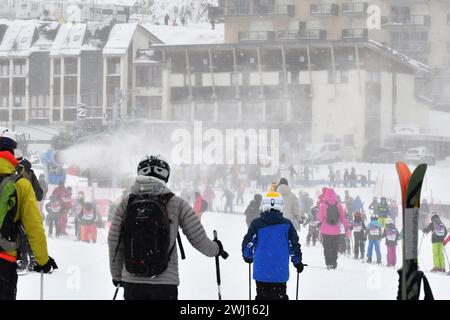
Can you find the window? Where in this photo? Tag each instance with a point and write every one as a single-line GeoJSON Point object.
{"type": "Point", "coordinates": [448, 18]}
{"type": "Point", "coordinates": [181, 111]}
{"type": "Point", "coordinates": [57, 66]}
{"type": "Point", "coordinates": [228, 111]}
{"type": "Point", "coordinates": [70, 66]}
{"type": "Point", "coordinates": [198, 79]}
{"type": "Point", "coordinates": [4, 69]}
{"type": "Point", "coordinates": [235, 79]}
{"type": "Point", "coordinates": [19, 67]}
{"type": "Point", "coordinates": [252, 111]}
{"type": "Point", "coordinates": [344, 76]}
{"type": "Point", "coordinates": [148, 76]}
{"type": "Point", "coordinates": [113, 66]}
{"type": "Point", "coordinates": [204, 111]}
{"type": "Point", "coordinates": [34, 6]}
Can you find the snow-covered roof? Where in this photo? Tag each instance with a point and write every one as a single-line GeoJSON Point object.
{"type": "Point", "coordinates": [47, 33]}
{"type": "Point", "coordinates": [69, 40]}
{"type": "Point", "coordinates": [122, 3]}
{"type": "Point", "coordinates": [191, 34]}
{"type": "Point", "coordinates": [416, 65]}
{"type": "Point", "coordinates": [120, 38]}
{"type": "Point", "coordinates": [17, 40]}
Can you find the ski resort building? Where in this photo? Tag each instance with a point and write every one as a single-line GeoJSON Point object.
{"type": "Point", "coordinates": [350, 92]}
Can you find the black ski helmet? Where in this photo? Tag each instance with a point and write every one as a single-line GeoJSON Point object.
{"type": "Point", "coordinates": [154, 166]}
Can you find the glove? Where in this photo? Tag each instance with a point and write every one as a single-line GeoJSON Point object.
{"type": "Point", "coordinates": [222, 253]}
{"type": "Point", "coordinates": [299, 267]}
{"type": "Point", "coordinates": [248, 260]}
{"type": "Point", "coordinates": [48, 267]}
{"type": "Point", "coordinates": [117, 283]}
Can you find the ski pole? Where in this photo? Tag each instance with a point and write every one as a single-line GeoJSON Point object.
{"type": "Point", "coordinates": [298, 276]}
{"type": "Point", "coordinates": [117, 290]}
{"type": "Point", "coordinates": [42, 285]}
{"type": "Point", "coordinates": [217, 270]}
{"type": "Point", "coordinates": [249, 281]}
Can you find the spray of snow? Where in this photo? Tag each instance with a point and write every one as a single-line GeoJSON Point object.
{"type": "Point", "coordinates": [114, 155]}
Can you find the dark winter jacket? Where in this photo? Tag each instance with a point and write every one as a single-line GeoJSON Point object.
{"type": "Point", "coordinates": [391, 234]}
{"type": "Point", "coordinates": [270, 240]}
{"type": "Point", "coordinates": [252, 212]}
{"type": "Point", "coordinates": [181, 216]}
{"type": "Point", "coordinates": [88, 217]}
{"type": "Point", "coordinates": [359, 228]}
{"type": "Point", "coordinates": [54, 209]}
{"type": "Point", "coordinates": [439, 231]}
{"type": "Point", "coordinates": [373, 231]}
{"type": "Point", "coordinates": [383, 210]}
{"type": "Point", "coordinates": [44, 187]}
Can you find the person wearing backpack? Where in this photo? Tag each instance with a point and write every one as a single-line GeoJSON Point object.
{"type": "Point", "coordinates": [270, 240]}
{"type": "Point", "coordinates": [314, 226]}
{"type": "Point", "coordinates": [374, 235]}
{"type": "Point", "coordinates": [383, 212]}
{"type": "Point", "coordinates": [392, 236]}
{"type": "Point", "coordinates": [54, 209]}
{"type": "Point", "coordinates": [359, 235]}
{"type": "Point", "coordinates": [19, 207]}
{"type": "Point", "coordinates": [438, 234]}
{"type": "Point", "coordinates": [253, 210]}
{"type": "Point", "coordinates": [331, 216]}
{"type": "Point", "coordinates": [146, 273]}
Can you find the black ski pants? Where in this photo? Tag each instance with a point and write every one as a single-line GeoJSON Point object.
{"type": "Point", "coordinates": [8, 280]}
{"type": "Point", "coordinates": [360, 242]}
{"type": "Point", "coordinates": [142, 291]}
{"type": "Point", "coordinates": [330, 248]}
{"type": "Point", "coordinates": [271, 291]}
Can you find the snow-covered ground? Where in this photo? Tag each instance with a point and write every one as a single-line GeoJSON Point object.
{"type": "Point", "coordinates": [84, 272]}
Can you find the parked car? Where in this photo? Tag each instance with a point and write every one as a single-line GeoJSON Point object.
{"type": "Point", "coordinates": [420, 154]}
{"type": "Point", "coordinates": [384, 155]}
{"type": "Point", "coordinates": [322, 152]}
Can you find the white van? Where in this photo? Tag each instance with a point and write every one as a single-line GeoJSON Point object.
{"type": "Point", "coordinates": [322, 152]}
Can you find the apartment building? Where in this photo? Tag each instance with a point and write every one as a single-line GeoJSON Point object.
{"type": "Point", "coordinates": [67, 10]}
{"type": "Point", "coordinates": [418, 28]}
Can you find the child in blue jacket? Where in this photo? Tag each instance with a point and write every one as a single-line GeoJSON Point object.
{"type": "Point", "coordinates": [374, 234]}
{"type": "Point", "coordinates": [270, 241]}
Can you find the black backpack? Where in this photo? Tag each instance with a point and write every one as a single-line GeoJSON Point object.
{"type": "Point", "coordinates": [332, 214]}
{"type": "Point", "coordinates": [145, 234]}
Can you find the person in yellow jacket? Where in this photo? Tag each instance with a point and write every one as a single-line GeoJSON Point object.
{"type": "Point", "coordinates": [29, 216]}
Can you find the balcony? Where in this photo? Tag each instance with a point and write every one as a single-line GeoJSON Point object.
{"type": "Point", "coordinates": [282, 10]}
{"type": "Point", "coordinates": [408, 21]}
{"type": "Point", "coordinates": [256, 36]}
{"type": "Point", "coordinates": [354, 8]}
{"type": "Point", "coordinates": [324, 9]}
{"type": "Point", "coordinates": [312, 34]}
{"type": "Point", "coordinates": [410, 46]}
{"type": "Point", "coordinates": [355, 34]}
{"type": "Point", "coordinates": [275, 10]}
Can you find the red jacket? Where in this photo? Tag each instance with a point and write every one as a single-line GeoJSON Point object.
{"type": "Point", "coordinates": [198, 206]}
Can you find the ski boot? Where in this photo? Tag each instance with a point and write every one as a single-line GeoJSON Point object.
{"type": "Point", "coordinates": [435, 269]}
{"type": "Point", "coordinates": [369, 260]}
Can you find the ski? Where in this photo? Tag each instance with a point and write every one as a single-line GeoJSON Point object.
{"type": "Point", "coordinates": [409, 286]}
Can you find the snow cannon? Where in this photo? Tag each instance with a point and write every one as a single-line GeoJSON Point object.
{"type": "Point", "coordinates": [52, 167]}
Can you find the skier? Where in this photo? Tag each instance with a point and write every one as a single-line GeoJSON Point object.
{"type": "Point", "coordinates": [253, 210]}
{"type": "Point", "coordinates": [346, 178]}
{"type": "Point", "coordinates": [374, 206]}
{"type": "Point", "coordinates": [88, 223]}
{"type": "Point", "coordinates": [291, 209]}
{"type": "Point", "coordinates": [331, 177]}
{"type": "Point", "coordinates": [383, 212]}
{"type": "Point", "coordinates": [209, 195]}
{"type": "Point", "coordinates": [331, 216]}
{"type": "Point", "coordinates": [269, 242]}
{"type": "Point", "coordinates": [198, 204]}
{"type": "Point", "coordinates": [359, 235]}
{"type": "Point", "coordinates": [240, 193]}
{"type": "Point", "coordinates": [374, 235]}
{"type": "Point", "coordinates": [439, 232]}
{"type": "Point", "coordinates": [54, 210]}
{"type": "Point", "coordinates": [392, 236]}
{"type": "Point", "coordinates": [229, 196]}
{"type": "Point", "coordinates": [156, 277]}
{"type": "Point", "coordinates": [357, 205]}
{"type": "Point", "coordinates": [314, 226]}
{"type": "Point", "coordinates": [166, 19]}
{"type": "Point", "coordinates": [25, 211]}
{"type": "Point", "coordinates": [77, 212]}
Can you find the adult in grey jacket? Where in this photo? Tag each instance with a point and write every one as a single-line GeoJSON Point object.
{"type": "Point", "coordinates": [291, 209]}
{"type": "Point", "coordinates": [153, 173]}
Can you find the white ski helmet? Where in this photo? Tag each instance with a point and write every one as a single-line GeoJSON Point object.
{"type": "Point", "coordinates": [272, 201]}
{"type": "Point", "coordinates": [154, 165]}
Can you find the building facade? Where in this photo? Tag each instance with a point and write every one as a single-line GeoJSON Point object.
{"type": "Point", "coordinates": [418, 28]}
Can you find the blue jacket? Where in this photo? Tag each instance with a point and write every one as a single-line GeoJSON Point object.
{"type": "Point", "coordinates": [270, 240]}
